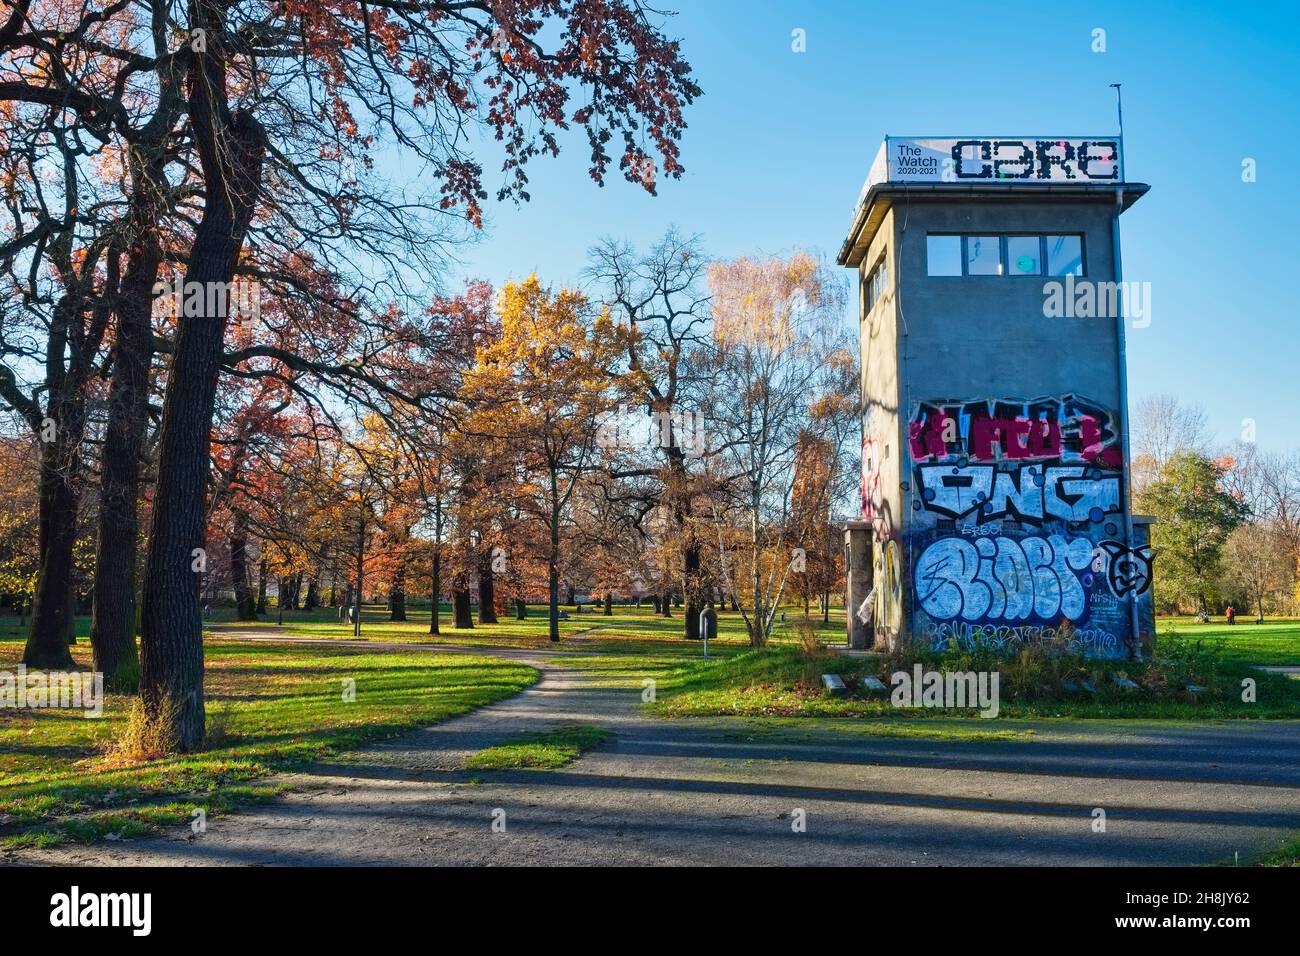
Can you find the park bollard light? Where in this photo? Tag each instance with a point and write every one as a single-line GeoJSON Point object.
{"type": "Point", "coordinates": [704, 630]}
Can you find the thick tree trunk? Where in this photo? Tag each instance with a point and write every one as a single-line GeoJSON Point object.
{"type": "Point", "coordinates": [113, 621]}
{"type": "Point", "coordinates": [397, 595]}
{"type": "Point", "coordinates": [666, 605]}
{"type": "Point", "coordinates": [609, 605]}
{"type": "Point", "coordinates": [521, 609]}
{"type": "Point", "coordinates": [487, 612]}
{"type": "Point", "coordinates": [462, 612]}
{"type": "Point", "coordinates": [691, 584]}
{"type": "Point", "coordinates": [313, 595]}
{"type": "Point", "coordinates": [245, 607]}
{"type": "Point", "coordinates": [230, 151]}
{"type": "Point", "coordinates": [52, 623]}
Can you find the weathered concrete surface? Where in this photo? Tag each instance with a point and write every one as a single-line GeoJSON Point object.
{"type": "Point", "coordinates": [726, 791]}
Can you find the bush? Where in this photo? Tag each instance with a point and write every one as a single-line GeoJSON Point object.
{"type": "Point", "coordinates": [1052, 670]}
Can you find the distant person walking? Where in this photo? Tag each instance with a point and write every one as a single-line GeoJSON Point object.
{"type": "Point", "coordinates": [1232, 614]}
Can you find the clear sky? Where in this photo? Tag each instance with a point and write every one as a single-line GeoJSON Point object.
{"type": "Point", "coordinates": [781, 142]}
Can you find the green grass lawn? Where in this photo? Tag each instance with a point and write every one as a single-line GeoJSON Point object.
{"type": "Point", "coordinates": [591, 626]}
{"type": "Point", "coordinates": [270, 708]}
{"type": "Point", "coordinates": [780, 681]}
{"type": "Point", "coordinates": [1276, 641]}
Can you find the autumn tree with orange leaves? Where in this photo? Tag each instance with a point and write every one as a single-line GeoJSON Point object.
{"type": "Point", "coordinates": [280, 110]}
{"type": "Point", "coordinates": [540, 391]}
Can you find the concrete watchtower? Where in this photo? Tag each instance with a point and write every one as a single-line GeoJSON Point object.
{"type": "Point", "coordinates": [995, 497]}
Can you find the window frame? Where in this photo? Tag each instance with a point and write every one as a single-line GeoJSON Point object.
{"type": "Point", "coordinates": [870, 296]}
{"type": "Point", "coordinates": [1003, 263]}
{"type": "Point", "coordinates": [1042, 250]}
{"type": "Point", "coordinates": [1083, 255]}
{"type": "Point", "coordinates": [961, 254]}
{"type": "Point", "coordinates": [965, 255]}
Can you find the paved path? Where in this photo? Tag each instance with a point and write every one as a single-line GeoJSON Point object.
{"type": "Point", "coordinates": [729, 791]}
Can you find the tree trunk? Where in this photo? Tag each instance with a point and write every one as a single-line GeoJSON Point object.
{"type": "Point", "coordinates": [230, 150]}
{"type": "Point", "coordinates": [313, 595]}
{"type": "Point", "coordinates": [487, 612]}
{"type": "Point", "coordinates": [654, 603]}
{"type": "Point", "coordinates": [360, 557]}
{"type": "Point", "coordinates": [113, 620]}
{"type": "Point", "coordinates": [245, 607]}
{"type": "Point", "coordinates": [521, 609]}
{"type": "Point", "coordinates": [52, 623]}
{"type": "Point", "coordinates": [462, 613]}
{"type": "Point", "coordinates": [436, 596]}
{"type": "Point", "coordinates": [261, 586]}
{"type": "Point", "coordinates": [666, 605]}
{"type": "Point", "coordinates": [397, 595]}
{"type": "Point", "coordinates": [691, 584]}
{"type": "Point", "coordinates": [553, 565]}
{"type": "Point", "coordinates": [609, 605]}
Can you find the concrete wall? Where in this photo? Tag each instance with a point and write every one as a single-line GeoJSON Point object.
{"type": "Point", "coordinates": [979, 334]}
{"type": "Point", "coordinates": [881, 414]}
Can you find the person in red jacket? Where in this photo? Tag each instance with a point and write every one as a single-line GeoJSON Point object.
{"type": "Point", "coordinates": [1232, 614]}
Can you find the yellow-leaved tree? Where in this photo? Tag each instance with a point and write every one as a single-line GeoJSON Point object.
{"type": "Point", "coordinates": [540, 391]}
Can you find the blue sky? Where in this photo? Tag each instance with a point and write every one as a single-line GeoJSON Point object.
{"type": "Point", "coordinates": [781, 142]}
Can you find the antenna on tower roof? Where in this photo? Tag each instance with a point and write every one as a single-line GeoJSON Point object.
{"type": "Point", "coordinates": [1119, 109]}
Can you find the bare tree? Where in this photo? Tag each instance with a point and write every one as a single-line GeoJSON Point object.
{"type": "Point", "coordinates": [781, 352]}
{"type": "Point", "coordinates": [1257, 562]}
{"type": "Point", "coordinates": [661, 294]}
{"type": "Point", "coordinates": [1161, 427]}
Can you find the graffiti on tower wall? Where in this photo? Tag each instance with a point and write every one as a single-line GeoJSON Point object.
{"type": "Point", "coordinates": [1017, 525]}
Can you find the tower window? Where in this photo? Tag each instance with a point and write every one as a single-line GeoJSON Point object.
{"type": "Point", "coordinates": [983, 255]}
{"type": "Point", "coordinates": [943, 255]}
{"type": "Point", "coordinates": [873, 289]}
{"type": "Point", "coordinates": [1016, 255]}
{"type": "Point", "coordinates": [1064, 255]}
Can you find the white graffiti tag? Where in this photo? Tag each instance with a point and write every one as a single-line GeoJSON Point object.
{"type": "Point", "coordinates": [1003, 579]}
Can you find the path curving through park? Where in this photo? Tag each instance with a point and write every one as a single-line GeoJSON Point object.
{"type": "Point", "coordinates": [742, 791]}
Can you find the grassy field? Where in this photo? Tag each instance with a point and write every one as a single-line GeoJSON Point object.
{"type": "Point", "coordinates": [270, 708]}
{"type": "Point", "coordinates": [638, 630]}
{"type": "Point", "coordinates": [783, 682]}
{"type": "Point", "coordinates": [1276, 641]}
{"type": "Point", "coordinates": [591, 626]}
